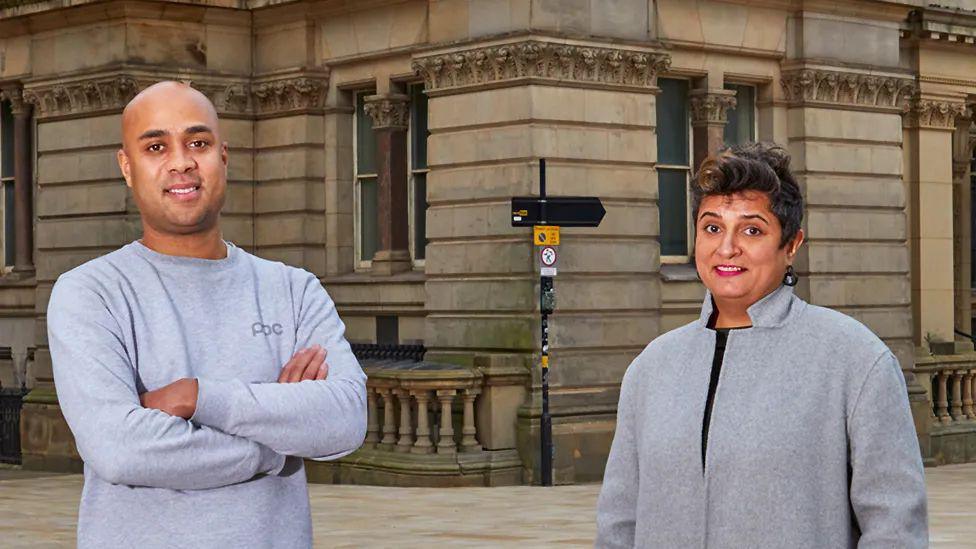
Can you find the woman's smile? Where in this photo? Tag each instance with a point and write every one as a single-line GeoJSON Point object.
{"type": "Point", "coordinates": [729, 270]}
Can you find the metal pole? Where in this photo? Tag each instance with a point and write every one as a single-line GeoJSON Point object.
{"type": "Point", "coordinates": [545, 283]}
{"type": "Point", "coordinates": [546, 425]}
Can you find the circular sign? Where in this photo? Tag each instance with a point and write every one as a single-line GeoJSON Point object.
{"type": "Point", "coordinates": [548, 256]}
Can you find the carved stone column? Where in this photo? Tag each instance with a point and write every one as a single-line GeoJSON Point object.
{"type": "Point", "coordinates": [23, 182]}
{"type": "Point", "coordinates": [389, 113]}
{"type": "Point", "coordinates": [709, 114]}
{"type": "Point", "coordinates": [930, 124]}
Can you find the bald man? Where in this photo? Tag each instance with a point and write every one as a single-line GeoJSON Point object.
{"type": "Point", "coordinates": [194, 375]}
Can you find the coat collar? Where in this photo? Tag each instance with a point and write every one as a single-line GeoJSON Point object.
{"type": "Point", "coordinates": [771, 311]}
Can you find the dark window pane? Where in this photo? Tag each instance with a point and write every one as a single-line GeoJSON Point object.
{"type": "Point", "coordinates": [6, 140]}
{"type": "Point", "coordinates": [388, 330]}
{"type": "Point", "coordinates": [367, 218]}
{"type": "Point", "coordinates": [672, 122]}
{"type": "Point", "coordinates": [742, 119]}
{"type": "Point", "coordinates": [419, 216]}
{"type": "Point", "coordinates": [365, 140]}
{"type": "Point", "coordinates": [8, 223]}
{"type": "Point", "coordinates": [418, 126]}
{"type": "Point", "coordinates": [673, 208]}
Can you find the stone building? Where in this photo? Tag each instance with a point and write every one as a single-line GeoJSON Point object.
{"type": "Point", "coordinates": [377, 143]}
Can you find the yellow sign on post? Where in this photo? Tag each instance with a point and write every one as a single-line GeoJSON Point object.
{"type": "Point", "coordinates": [545, 235]}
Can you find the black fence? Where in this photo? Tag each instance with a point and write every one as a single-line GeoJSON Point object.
{"type": "Point", "coordinates": [377, 351]}
{"type": "Point", "coordinates": [10, 402]}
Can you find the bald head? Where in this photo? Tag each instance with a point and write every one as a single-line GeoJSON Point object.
{"type": "Point", "coordinates": [168, 96]}
{"type": "Point", "coordinates": [173, 160]}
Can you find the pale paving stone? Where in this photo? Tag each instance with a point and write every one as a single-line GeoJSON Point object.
{"type": "Point", "coordinates": [40, 512]}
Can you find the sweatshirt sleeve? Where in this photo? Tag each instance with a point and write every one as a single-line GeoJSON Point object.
{"type": "Point", "coordinates": [887, 479]}
{"type": "Point", "coordinates": [314, 419]}
{"type": "Point", "coordinates": [616, 513]}
{"type": "Point", "coordinates": [122, 442]}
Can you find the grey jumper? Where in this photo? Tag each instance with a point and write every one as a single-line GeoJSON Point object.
{"type": "Point", "coordinates": [136, 320]}
{"type": "Point", "coordinates": [811, 443]}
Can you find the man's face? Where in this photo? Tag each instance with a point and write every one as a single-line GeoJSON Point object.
{"type": "Point", "coordinates": [173, 160]}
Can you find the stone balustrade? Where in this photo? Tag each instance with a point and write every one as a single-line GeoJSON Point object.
{"type": "Point", "coordinates": [412, 408]}
{"type": "Point", "coordinates": [952, 387]}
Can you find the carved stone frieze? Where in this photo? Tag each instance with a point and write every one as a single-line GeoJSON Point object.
{"type": "Point", "coordinates": [711, 106]}
{"type": "Point", "coordinates": [289, 94]}
{"type": "Point", "coordinates": [235, 97]}
{"type": "Point", "coordinates": [847, 88]}
{"type": "Point", "coordinates": [99, 94]}
{"type": "Point", "coordinates": [536, 59]}
{"type": "Point", "coordinates": [388, 111]}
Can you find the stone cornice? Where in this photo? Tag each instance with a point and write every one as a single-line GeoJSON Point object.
{"type": "Point", "coordinates": [711, 106]}
{"type": "Point", "coordinates": [272, 95]}
{"type": "Point", "coordinates": [842, 89]}
{"type": "Point", "coordinates": [938, 24]}
{"type": "Point", "coordinates": [544, 61]}
{"type": "Point", "coordinates": [388, 111]}
{"type": "Point", "coordinates": [936, 114]}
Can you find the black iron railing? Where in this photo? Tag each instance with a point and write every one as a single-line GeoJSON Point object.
{"type": "Point", "coordinates": [10, 402]}
{"type": "Point", "coordinates": [376, 351]}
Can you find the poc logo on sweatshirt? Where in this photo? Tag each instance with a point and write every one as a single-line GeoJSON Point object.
{"type": "Point", "coordinates": [263, 329]}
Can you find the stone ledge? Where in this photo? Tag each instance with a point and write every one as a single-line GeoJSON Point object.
{"type": "Point", "coordinates": [380, 468]}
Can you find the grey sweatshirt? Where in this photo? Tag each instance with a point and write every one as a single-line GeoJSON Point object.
{"type": "Point", "coordinates": [811, 443]}
{"type": "Point", "coordinates": [136, 320]}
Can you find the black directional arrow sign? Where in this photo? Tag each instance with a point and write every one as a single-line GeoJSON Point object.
{"type": "Point", "coordinates": [565, 211]}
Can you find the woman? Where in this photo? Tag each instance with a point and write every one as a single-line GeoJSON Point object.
{"type": "Point", "coordinates": [768, 422]}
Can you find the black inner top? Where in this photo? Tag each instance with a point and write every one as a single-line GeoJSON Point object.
{"type": "Point", "coordinates": [721, 338]}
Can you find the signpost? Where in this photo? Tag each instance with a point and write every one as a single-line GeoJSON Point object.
{"type": "Point", "coordinates": [546, 215]}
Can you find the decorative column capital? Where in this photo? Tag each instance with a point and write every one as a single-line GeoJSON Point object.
{"type": "Point", "coordinates": [542, 60]}
{"type": "Point", "coordinates": [844, 89]}
{"type": "Point", "coordinates": [15, 94]}
{"type": "Point", "coordinates": [935, 113]}
{"type": "Point", "coordinates": [711, 106]}
{"type": "Point", "coordinates": [390, 111]}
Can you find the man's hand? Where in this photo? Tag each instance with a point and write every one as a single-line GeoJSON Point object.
{"type": "Point", "coordinates": [306, 364]}
{"type": "Point", "coordinates": [176, 399]}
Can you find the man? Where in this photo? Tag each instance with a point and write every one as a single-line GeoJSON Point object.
{"type": "Point", "coordinates": [192, 373]}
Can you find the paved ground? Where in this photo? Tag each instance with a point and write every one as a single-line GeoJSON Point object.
{"type": "Point", "coordinates": [38, 511]}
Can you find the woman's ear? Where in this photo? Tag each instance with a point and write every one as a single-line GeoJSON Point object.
{"type": "Point", "coordinates": [794, 246]}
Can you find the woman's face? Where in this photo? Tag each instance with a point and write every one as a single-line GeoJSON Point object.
{"type": "Point", "coordinates": [737, 247]}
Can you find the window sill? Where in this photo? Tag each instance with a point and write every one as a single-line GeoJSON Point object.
{"type": "Point", "coordinates": [13, 279]}
{"type": "Point", "coordinates": [679, 272]}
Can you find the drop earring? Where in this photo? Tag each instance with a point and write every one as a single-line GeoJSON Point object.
{"type": "Point", "coordinates": [790, 279]}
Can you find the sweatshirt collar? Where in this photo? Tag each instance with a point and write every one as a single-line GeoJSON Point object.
{"type": "Point", "coordinates": [771, 311]}
{"type": "Point", "coordinates": [183, 263]}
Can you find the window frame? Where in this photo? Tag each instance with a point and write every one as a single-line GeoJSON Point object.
{"type": "Point", "coordinates": [755, 105]}
{"type": "Point", "coordinates": [690, 224]}
{"type": "Point", "coordinates": [7, 245]}
{"type": "Point", "coordinates": [412, 172]}
{"type": "Point", "coordinates": [359, 263]}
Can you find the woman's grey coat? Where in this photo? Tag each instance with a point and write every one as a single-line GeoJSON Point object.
{"type": "Point", "coordinates": [811, 442]}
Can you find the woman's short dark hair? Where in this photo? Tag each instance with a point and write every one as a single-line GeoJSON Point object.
{"type": "Point", "coordinates": [762, 167]}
